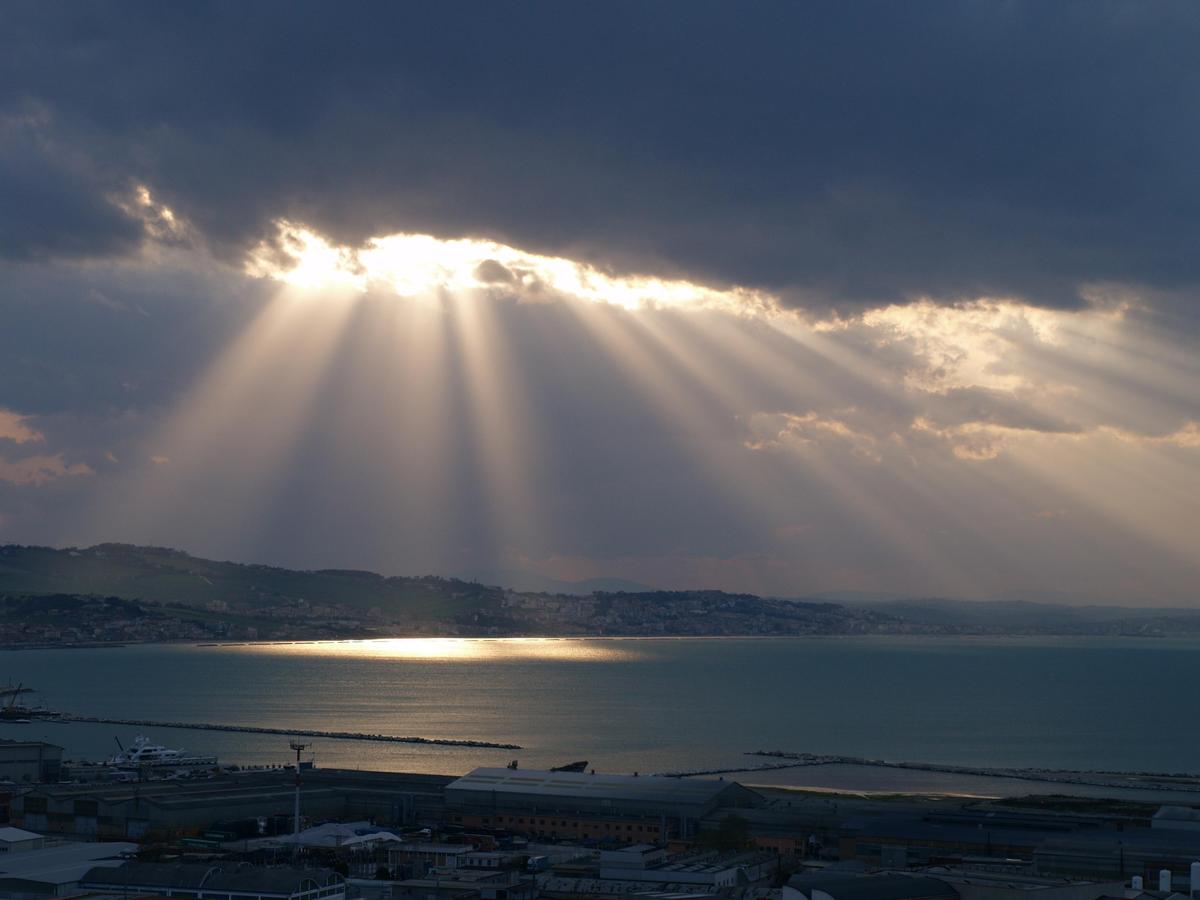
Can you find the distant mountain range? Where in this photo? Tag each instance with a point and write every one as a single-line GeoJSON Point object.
{"type": "Point", "coordinates": [1015, 615]}
{"type": "Point", "coordinates": [121, 592]}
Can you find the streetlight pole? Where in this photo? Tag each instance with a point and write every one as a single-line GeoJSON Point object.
{"type": "Point", "coordinates": [298, 747]}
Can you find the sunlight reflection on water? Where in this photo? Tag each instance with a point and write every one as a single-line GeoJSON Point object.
{"type": "Point", "coordinates": [455, 649]}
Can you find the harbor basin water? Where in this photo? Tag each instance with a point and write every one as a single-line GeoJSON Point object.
{"type": "Point", "coordinates": [646, 705]}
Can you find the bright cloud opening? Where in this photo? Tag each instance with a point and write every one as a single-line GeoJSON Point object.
{"type": "Point", "coordinates": [416, 264]}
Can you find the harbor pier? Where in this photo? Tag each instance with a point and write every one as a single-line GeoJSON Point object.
{"type": "Point", "coordinates": [289, 732]}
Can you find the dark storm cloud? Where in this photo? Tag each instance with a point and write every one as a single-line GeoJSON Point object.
{"type": "Point", "coordinates": [845, 152]}
{"type": "Point", "coordinates": [85, 338]}
{"type": "Point", "coordinates": [52, 202]}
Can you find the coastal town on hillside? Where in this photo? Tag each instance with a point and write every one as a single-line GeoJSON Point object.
{"type": "Point", "coordinates": [73, 619]}
{"type": "Point", "coordinates": [121, 593]}
{"type": "Point", "coordinates": [84, 620]}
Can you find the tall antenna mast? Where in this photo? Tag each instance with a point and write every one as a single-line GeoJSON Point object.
{"type": "Point", "coordinates": [298, 747]}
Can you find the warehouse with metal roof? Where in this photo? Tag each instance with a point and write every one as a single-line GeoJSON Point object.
{"type": "Point", "coordinates": [541, 793]}
{"type": "Point", "coordinates": [869, 887]}
{"type": "Point", "coordinates": [56, 870]}
{"type": "Point", "coordinates": [218, 882]}
{"type": "Point", "coordinates": [177, 806]}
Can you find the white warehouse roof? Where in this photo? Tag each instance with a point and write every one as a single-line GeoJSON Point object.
{"type": "Point", "coordinates": [10, 835]}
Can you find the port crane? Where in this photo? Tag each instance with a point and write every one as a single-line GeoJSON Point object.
{"type": "Point", "coordinates": [10, 710]}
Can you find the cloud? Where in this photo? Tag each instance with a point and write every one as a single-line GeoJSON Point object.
{"type": "Point", "coordinates": [990, 407]}
{"type": "Point", "coordinates": [54, 200]}
{"type": "Point", "coordinates": [833, 154]}
{"type": "Point", "coordinates": [1186, 436]}
{"type": "Point", "coordinates": [39, 470]}
{"type": "Point", "coordinates": [14, 427]}
{"type": "Point", "coordinates": [779, 431]}
{"type": "Point", "coordinates": [971, 440]}
{"type": "Point", "coordinates": [786, 298]}
{"type": "Point", "coordinates": [131, 333]}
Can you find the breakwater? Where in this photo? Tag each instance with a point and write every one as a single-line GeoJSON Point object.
{"type": "Point", "coordinates": [693, 773]}
{"type": "Point", "coordinates": [1153, 781]}
{"type": "Point", "coordinates": [287, 732]}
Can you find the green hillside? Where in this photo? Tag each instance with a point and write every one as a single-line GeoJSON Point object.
{"type": "Point", "coordinates": [160, 575]}
{"type": "Point", "coordinates": [182, 597]}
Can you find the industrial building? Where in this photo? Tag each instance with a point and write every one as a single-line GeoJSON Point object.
{"type": "Point", "coordinates": [622, 808]}
{"type": "Point", "coordinates": [1121, 854]}
{"type": "Point", "coordinates": [56, 870]}
{"type": "Point", "coordinates": [329, 836]}
{"type": "Point", "coordinates": [15, 840]}
{"type": "Point", "coordinates": [30, 762]}
{"type": "Point", "coordinates": [974, 884]}
{"type": "Point", "coordinates": [179, 808]}
{"type": "Point", "coordinates": [467, 885]}
{"type": "Point", "coordinates": [1176, 818]}
{"type": "Point", "coordinates": [217, 882]}
{"type": "Point", "coordinates": [945, 884]}
{"type": "Point", "coordinates": [630, 857]}
{"type": "Point", "coordinates": [868, 887]}
{"type": "Point", "coordinates": [424, 855]}
{"type": "Point", "coordinates": [590, 806]}
{"type": "Point", "coordinates": [899, 842]}
{"type": "Point", "coordinates": [710, 868]}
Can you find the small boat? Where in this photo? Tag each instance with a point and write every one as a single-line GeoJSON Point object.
{"type": "Point", "coordinates": [580, 766]}
{"type": "Point", "coordinates": [144, 753]}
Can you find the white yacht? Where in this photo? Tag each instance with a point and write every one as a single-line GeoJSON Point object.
{"type": "Point", "coordinates": [143, 753]}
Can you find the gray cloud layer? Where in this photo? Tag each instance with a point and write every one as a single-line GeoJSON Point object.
{"type": "Point", "coordinates": [841, 155]}
{"type": "Point", "coordinates": [836, 152]}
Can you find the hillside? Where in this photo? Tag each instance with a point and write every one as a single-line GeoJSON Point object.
{"type": "Point", "coordinates": [164, 576]}
{"type": "Point", "coordinates": [166, 594]}
{"type": "Point", "coordinates": [119, 592]}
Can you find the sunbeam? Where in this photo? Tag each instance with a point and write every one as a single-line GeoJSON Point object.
{"type": "Point", "coordinates": [456, 376]}
{"type": "Point", "coordinates": [242, 418]}
{"type": "Point", "coordinates": [505, 437]}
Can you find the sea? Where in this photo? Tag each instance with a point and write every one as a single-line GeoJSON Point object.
{"type": "Point", "coordinates": [650, 705]}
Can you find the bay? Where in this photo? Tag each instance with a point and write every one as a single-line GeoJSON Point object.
{"type": "Point", "coordinates": [644, 705]}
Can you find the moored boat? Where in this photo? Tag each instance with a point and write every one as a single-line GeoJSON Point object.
{"type": "Point", "coordinates": [143, 753]}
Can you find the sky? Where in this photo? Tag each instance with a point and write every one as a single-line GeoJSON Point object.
{"type": "Point", "coordinates": [790, 298]}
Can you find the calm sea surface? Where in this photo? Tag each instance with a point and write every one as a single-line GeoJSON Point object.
{"type": "Point", "coordinates": [646, 705]}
